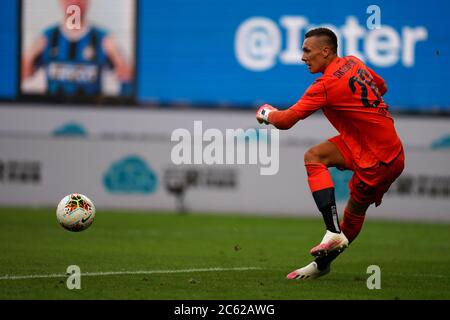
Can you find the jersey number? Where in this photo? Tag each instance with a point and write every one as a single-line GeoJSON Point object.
{"type": "Point", "coordinates": [365, 81]}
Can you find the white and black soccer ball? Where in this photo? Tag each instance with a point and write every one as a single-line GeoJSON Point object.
{"type": "Point", "coordinates": [75, 212]}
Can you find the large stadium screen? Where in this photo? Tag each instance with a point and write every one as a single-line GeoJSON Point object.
{"type": "Point", "coordinates": [233, 53]}
{"type": "Point", "coordinates": [78, 49]}
{"type": "Point", "coordinates": [247, 52]}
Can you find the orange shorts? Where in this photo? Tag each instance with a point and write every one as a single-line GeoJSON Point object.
{"type": "Point", "coordinates": [368, 185]}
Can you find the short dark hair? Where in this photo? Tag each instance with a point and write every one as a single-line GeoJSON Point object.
{"type": "Point", "coordinates": [324, 32]}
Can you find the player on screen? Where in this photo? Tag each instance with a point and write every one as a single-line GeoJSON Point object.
{"type": "Point", "coordinates": [350, 96]}
{"type": "Point", "coordinates": [74, 57]}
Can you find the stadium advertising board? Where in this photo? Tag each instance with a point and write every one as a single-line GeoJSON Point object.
{"type": "Point", "coordinates": [231, 53]}
{"type": "Point", "coordinates": [123, 168]}
{"type": "Point", "coordinates": [9, 33]}
{"type": "Point", "coordinates": [248, 52]}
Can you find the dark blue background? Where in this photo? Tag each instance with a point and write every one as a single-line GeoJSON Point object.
{"type": "Point", "coordinates": [9, 49]}
{"type": "Point", "coordinates": [187, 51]}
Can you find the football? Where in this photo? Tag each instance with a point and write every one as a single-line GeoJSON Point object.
{"type": "Point", "coordinates": [75, 212]}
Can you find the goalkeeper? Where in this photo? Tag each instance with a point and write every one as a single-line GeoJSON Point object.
{"type": "Point", "coordinates": [350, 96]}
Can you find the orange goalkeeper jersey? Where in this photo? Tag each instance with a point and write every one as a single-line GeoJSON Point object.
{"type": "Point", "coordinates": [348, 93]}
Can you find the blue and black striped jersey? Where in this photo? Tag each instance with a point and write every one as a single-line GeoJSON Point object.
{"type": "Point", "coordinates": [74, 67]}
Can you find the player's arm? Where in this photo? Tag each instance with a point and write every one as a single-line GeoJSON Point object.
{"type": "Point", "coordinates": [123, 70]}
{"type": "Point", "coordinates": [280, 119]}
{"type": "Point", "coordinates": [379, 82]}
{"type": "Point", "coordinates": [29, 61]}
{"type": "Point", "coordinates": [313, 99]}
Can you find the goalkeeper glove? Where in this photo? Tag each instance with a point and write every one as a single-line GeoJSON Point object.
{"type": "Point", "coordinates": [262, 115]}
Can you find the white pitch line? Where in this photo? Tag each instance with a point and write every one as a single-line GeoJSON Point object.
{"type": "Point", "coordinates": [424, 275]}
{"type": "Point", "coordinates": [116, 273]}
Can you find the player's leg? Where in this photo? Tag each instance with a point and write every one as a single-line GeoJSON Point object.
{"type": "Point", "coordinates": [353, 220]}
{"type": "Point", "coordinates": [362, 195]}
{"type": "Point", "coordinates": [317, 161]}
{"type": "Point", "coordinates": [351, 225]}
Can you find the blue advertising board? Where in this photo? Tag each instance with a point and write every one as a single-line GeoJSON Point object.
{"type": "Point", "coordinates": [9, 40]}
{"type": "Point", "coordinates": [247, 52]}
{"type": "Point", "coordinates": [243, 53]}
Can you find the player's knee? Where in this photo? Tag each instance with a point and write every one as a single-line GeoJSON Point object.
{"type": "Point", "coordinates": [314, 155]}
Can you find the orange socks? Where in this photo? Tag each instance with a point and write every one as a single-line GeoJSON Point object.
{"type": "Point", "coordinates": [351, 225]}
{"type": "Point", "coordinates": [322, 189]}
{"type": "Point", "coordinates": [319, 177]}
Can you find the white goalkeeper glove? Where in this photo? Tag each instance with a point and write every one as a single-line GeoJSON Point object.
{"type": "Point", "coordinates": [262, 115]}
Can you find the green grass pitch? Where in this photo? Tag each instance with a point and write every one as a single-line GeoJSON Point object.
{"type": "Point", "coordinates": [414, 258]}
